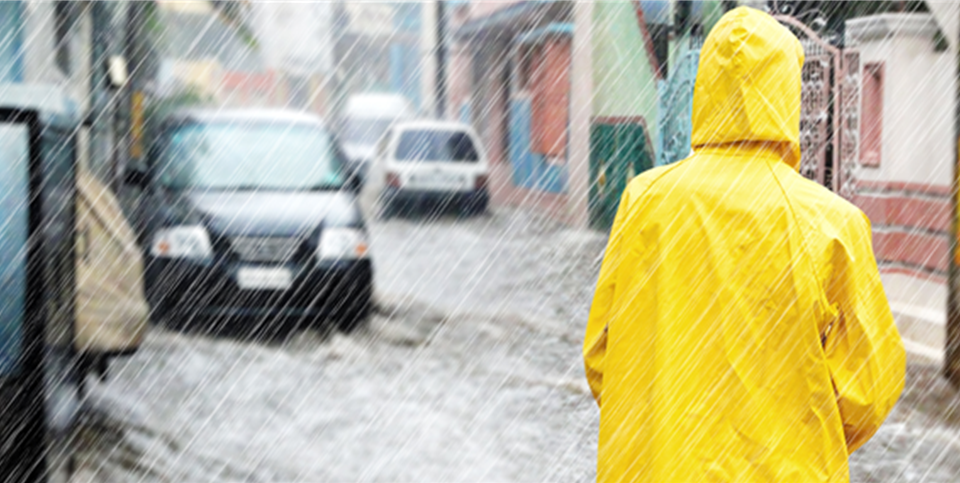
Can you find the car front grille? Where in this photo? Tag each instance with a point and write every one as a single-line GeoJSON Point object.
{"type": "Point", "coordinates": [266, 249]}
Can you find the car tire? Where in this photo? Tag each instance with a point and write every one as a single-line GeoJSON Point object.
{"type": "Point", "coordinates": [386, 210]}
{"type": "Point", "coordinates": [480, 206]}
{"type": "Point", "coordinates": [476, 205]}
{"type": "Point", "coordinates": [355, 307]}
{"type": "Point", "coordinates": [159, 307]}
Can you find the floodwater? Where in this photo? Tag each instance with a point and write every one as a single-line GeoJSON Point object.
{"type": "Point", "coordinates": [469, 371]}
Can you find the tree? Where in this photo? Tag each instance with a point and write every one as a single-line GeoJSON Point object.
{"type": "Point", "coordinates": [234, 13]}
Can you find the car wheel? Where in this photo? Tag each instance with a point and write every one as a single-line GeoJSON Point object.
{"type": "Point", "coordinates": [160, 308]}
{"type": "Point", "coordinates": [476, 205]}
{"type": "Point", "coordinates": [386, 209]}
{"type": "Point", "coordinates": [354, 308]}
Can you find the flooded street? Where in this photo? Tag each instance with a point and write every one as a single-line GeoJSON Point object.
{"type": "Point", "coordinates": [435, 388]}
{"type": "Point", "coordinates": [469, 371]}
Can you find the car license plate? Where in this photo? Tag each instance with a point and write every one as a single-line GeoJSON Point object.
{"type": "Point", "coordinates": [437, 181]}
{"type": "Point", "coordinates": [264, 278]}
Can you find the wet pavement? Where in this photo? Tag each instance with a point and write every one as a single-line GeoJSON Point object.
{"type": "Point", "coordinates": [469, 370]}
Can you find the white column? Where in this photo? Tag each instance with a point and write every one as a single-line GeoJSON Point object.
{"type": "Point", "coordinates": [947, 15]}
{"type": "Point", "coordinates": [428, 56]}
{"type": "Point", "coordinates": [581, 111]}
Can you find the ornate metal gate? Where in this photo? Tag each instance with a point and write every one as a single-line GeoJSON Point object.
{"type": "Point", "coordinates": [676, 107]}
{"type": "Point", "coordinates": [850, 86]}
{"type": "Point", "coordinates": [830, 112]}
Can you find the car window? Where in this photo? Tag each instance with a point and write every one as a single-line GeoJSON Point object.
{"type": "Point", "coordinates": [436, 145]}
{"type": "Point", "coordinates": [274, 156]}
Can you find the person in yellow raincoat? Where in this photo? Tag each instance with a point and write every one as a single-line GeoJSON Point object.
{"type": "Point", "coordinates": [739, 331]}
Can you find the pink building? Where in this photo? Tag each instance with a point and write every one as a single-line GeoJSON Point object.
{"type": "Point", "coordinates": [509, 78]}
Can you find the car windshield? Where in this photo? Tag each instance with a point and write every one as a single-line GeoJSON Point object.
{"type": "Point", "coordinates": [365, 132]}
{"type": "Point", "coordinates": [259, 155]}
{"type": "Point", "coordinates": [436, 145]}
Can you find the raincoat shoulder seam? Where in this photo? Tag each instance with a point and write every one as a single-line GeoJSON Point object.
{"type": "Point", "coordinates": [667, 169]}
{"type": "Point", "coordinates": [847, 212]}
{"type": "Point", "coordinates": [811, 264]}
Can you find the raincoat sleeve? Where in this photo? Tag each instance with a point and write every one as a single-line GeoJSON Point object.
{"type": "Point", "coordinates": [863, 348]}
{"type": "Point", "coordinates": [595, 342]}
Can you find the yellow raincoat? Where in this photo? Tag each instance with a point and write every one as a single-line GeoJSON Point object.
{"type": "Point", "coordinates": [739, 330]}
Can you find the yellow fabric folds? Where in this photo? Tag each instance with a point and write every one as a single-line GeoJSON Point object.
{"type": "Point", "coordinates": [739, 330]}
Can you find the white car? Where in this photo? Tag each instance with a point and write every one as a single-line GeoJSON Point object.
{"type": "Point", "coordinates": [431, 161]}
{"type": "Point", "coordinates": [366, 117]}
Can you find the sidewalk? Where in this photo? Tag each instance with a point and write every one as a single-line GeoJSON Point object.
{"type": "Point", "coordinates": [920, 309]}
{"type": "Point", "coordinates": [920, 440]}
{"type": "Point", "coordinates": [504, 193]}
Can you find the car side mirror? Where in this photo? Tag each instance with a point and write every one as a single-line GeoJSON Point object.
{"type": "Point", "coordinates": [136, 177]}
{"type": "Point", "coordinates": [354, 182]}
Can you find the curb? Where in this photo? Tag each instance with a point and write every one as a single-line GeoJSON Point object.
{"type": "Point", "coordinates": [923, 330]}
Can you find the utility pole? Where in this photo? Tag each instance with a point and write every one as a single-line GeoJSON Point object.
{"type": "Point", "coordinates": [951, 366]}
{"type": "Point", "coordinates": [581, 110]}
{"type": "Point", "coordinates": [101, 110]}
{"type": "Point", "coordinates": [338, 72]}
{"type": "Point", "coordinates": [441, 61]}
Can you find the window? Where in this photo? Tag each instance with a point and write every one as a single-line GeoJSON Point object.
{"type": "Point", "coordinates": [238, 156]}
{"type": "Point", "coordinates": [427, 145]}
{"type": "Point", "coordinates": [871, 115]}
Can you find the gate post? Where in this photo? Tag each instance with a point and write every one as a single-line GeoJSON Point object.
{"type": "Point", "coordinates": [951, 359]}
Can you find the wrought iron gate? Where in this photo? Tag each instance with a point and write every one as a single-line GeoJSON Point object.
{"type": "Point", "coordinates": [829, 116]}
{"type": "Point", "coordinates": [830, 111]}
{"type": "Point", "coordinates": [675, 107]}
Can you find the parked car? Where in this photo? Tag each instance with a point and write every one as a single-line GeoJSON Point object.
{"type": "Point", "coordinates": [366, 117]}
{"type": "Point", "coordinates": [250, 213]}
{"type": "Point", "coordinates": [432, 161]}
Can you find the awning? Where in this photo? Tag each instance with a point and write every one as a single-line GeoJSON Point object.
{"type": "Point", "coordinates": [515, 18]}
{"type": "Point", "coordinates": [537, 35]}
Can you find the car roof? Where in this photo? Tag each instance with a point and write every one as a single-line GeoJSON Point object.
{"type": "Point", "coordinates": [431, 124]}
{"type": "Point", "coordinates": [257, 115]}
{"type": "Point", "coordinates": [378, 105]}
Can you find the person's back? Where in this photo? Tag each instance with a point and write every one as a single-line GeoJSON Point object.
{"type": "Point", "coordinates": [739, 331]}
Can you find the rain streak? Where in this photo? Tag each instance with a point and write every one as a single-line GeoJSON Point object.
{"type": "Point", "coordinates": [407, 241]}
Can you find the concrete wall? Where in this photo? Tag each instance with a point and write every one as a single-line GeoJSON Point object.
{"type": "Point", "coordinates": [483, 8]}
{"type": "Point", "coordinates": [918, 126]}
{"type": "Point", "coordinates": [295, 37]}
{"type": "Point", "coordinates": [39, 64]}
{"type": "Point", "coordinates": [907, 197]}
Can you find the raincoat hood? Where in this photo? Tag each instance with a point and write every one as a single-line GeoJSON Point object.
{"type": "Point", "coordinates": [748, 84]}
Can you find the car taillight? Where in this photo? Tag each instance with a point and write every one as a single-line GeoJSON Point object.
{"type": "Point", "coordinates": [393, 180]}
{"type": "Point", "coordinates": [480, 183]}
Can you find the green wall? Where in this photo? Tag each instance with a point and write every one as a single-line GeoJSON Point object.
{"type": "Point", "coordinates": [624, 82]}
{"type": "Point", "coordinates": [624, 107]}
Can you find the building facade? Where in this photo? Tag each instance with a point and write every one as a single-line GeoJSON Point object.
{"type": "Point", "coordinates": [564, 96]}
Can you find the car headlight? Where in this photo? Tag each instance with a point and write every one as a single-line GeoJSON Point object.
{"type": "Point", "coordinates": [181, 242]}
{"type": "Point", "coordinates": [340, 243]}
